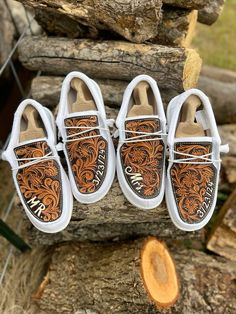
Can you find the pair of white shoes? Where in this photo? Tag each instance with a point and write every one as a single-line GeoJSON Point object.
{"type": "Point", "coordinates": [194, 161]}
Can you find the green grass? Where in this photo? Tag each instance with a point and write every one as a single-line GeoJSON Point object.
{"type": "Point", "coordinates": [217, 43]}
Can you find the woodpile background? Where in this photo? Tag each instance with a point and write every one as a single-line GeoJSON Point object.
{"type": "Point", "coordinates": [113, 41]}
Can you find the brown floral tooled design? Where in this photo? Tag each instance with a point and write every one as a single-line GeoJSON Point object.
{"type": "Point", "coordinates": [88, 157]}
{"type": "Point", "coordinates": [40, 183]}
{"type": "Point", "coordinates": [193, 184]}
{"type": "Point", "coordinates": [142, 161]}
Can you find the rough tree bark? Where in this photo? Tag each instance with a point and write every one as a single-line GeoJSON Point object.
{"type": "Point", "coordinates": [46, 90]}
{"type": "Point", "coordinates": [187, 4]}
{"type": "Point", "coordinates": [222, 239]}
{"type": "Point", "coordinates": [135, 20]}
{"type": "Point", "coordinates": [210, 13]}
{"type": "Point", "coordinates": [177, 27]}
{"type": "Point", "coordinates": [7, 33]}
{"type": "Point", "coordinates": [112, 218]}
{"type": "Point", "coordinates": [175, 68]}
{"type": "Point", "coordinates": [103, 278]}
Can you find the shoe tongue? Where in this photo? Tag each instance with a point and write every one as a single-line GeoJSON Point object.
{"type": "Point", "coordinates": [149, 124]}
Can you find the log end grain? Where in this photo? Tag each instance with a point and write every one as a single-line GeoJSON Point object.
{"type": "Point", "coordinates": [159, 274]}
{"type": "Point", "coordinates": [192, 69]}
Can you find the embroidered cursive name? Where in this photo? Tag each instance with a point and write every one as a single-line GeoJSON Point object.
{"type": "Point", "coordinates": [135, 178]}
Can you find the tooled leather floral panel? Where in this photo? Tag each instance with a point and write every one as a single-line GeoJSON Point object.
{"type": "Point", "coordinates": [88, 156]}
{"type": "Point", "coordinates": [193, 184]}
{"type": "Point", "coordinates": [40, 183]}
{"type": "Point", "coordinates": [143, 161]}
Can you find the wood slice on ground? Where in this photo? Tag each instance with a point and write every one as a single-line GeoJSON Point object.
{"type": "Point", "coordinates": [229, 166]}
{"type": "Point", "coordinates": [211, 12]}
{"type": "Point", "coordinates": [134, 20]}
{"type": "Point", "coordinates": [228, 135]}
{"type": "Point", "coordinates": [177, 27]}
{"type": "Point", "coordinates": [222, 239]}
{"type": "Point", "coordinates": [112, 218]}
{"type": "Point", "coordinates": [46, 90]}
{"type": "Point", "coordinates": [175, 68]}
{"type": "Point", "coordinates": [105, 278]}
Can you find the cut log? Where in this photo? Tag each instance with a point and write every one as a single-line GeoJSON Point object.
{"type": "Point", "coordinates": [210, 13]}
{"type": "Point", "coordinates": [134, 20]}
{"type": "Point", "coordinates": [222, 96]}
{"type": "Point", "coordinates": [175, 68]}
{"type": "Point", "coordinates": [222, 239]}
{"type": "Point", "coordinates": [112, 218]}
{"type": "Point", "coordinates": [177, 27]}
{"type": "Point", "coordinates": [219, 74]}
{"type": "Point", "coordinates": [105, 278]}
{"type": "Point", "coordinates": [46, 90]}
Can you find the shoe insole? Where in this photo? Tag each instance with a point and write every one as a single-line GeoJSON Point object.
{"type": "Point", "coordinates": [84, 99]}
{"type": "Point", "coordinates": [141, 99]}
{"type": "Point", "coordinates": [31, 125]}
{"type": "Point", "coordinates": [187, 126]}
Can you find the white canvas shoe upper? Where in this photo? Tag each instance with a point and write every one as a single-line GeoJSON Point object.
{"type": "Point", "coordinates": [87, 142]}
{"type": "Point", "coordinates": [193, 166]}
{"type": "Point", "coordinates": [141, 148]}
{"type": "Point", "coordinates": [40, 180]}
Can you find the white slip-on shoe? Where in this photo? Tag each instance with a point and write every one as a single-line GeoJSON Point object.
{"type": "Point", "coordinates": [87, 143]}
{"type": "Point", "coordinates": [193, 170]}
{"type": "Point", "coordinates": [40, 180]}
{"type": "Point", "coordinates": [141, 126]}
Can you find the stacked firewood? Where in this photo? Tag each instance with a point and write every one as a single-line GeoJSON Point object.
{"type": "Point", "coordinates": [112, 42]}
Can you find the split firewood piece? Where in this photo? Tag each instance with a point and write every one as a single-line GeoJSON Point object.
{"type": "Point", "coordinates": [211, 12]}
{"type": "Point", "coordinates": [111, 278]}
{"type": "Point", "coordinates": [187, 126]}
{"type": "Point", "coordinates": [112, 60]}
{"type": "Point", "coordinates": [177, 28]}
{"type": "Point", "coordinates": [222, 239]}
{"type": "Point", "coordinates": [134, 20]}
{"type": "Point", "coordinates": [30, 125]}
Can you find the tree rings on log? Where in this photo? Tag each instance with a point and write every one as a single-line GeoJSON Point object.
{"type": "Point", "coordinates": [159, 274]}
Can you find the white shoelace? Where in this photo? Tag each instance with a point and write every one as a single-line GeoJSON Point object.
{"type": "Point", "coordinates": [206, 159]}
{"type": "Point", "coordinates": [70, 138]}
{"type": "Point", "coordinates": [141, 137]}
{"type": "Point", "coordinates": [32, 161]}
